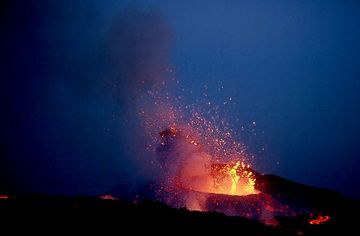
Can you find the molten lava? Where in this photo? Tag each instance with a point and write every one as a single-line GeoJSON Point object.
{"type": "Point", "coordinates": [319, 220]}
{"type": "Point", "coordinates": [197, 153]}
{"type": "Point", "coordinates": [192, 167]}
{"type": "Point", "coordinates": [234, 180]}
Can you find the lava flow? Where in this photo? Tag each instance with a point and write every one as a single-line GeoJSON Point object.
{"type": "Point", "coordinates": [319, 220]}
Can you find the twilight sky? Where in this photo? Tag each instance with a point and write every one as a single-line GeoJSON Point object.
{"type": "Point", "coordinates": [292, 67]}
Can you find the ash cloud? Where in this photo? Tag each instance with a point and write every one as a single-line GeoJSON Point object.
{"type": "Point", "coordinates": [71, 93]}
{"type": "Point", "coordinates": [137, 51]}
{"type": "Point", "coordinates": [138, 47]}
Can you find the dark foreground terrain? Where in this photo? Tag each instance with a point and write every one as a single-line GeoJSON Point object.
{"type": "Point", "coordinates": [54, 215]}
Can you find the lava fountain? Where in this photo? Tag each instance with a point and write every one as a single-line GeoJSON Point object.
{"type": "Point", "coordinates": [191, 173]}
{"type": "Point", "coordinates": [196, 152]}
{"type": "Point", "coordinates": [200, 164]}
{"type": "Point", "coordinates": [233, 179]}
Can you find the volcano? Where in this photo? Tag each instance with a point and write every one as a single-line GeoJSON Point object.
{"type": "Point", "coordinates": [282, 206]}
{"type": "Point", "coordinates": [278, 200]}
{"type": "Point", "coordinates": [193, 189]}
{"type": "Point", "coordinates": [192, 179]}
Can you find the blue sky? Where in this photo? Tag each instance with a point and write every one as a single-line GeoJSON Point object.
{"type": "Point", "coordinates": [291, 66]}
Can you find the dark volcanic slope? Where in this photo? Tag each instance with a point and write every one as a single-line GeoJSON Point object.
{"type": "Point", "coordinates": [300, 196]}
{"type": "Point", "coordinates": [44, 215]}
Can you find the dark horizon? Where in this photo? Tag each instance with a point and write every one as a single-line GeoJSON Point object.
{"type": "Point", "coordinates": [288, 72]}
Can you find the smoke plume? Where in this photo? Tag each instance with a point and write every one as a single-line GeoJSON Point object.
{"type": "Point", "coordinates": [72, 90]}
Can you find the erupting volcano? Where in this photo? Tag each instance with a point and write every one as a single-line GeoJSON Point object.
{"type": "Point", "coordinates": [203, 168]}
{"type": "Point", "coordinates": [202, 165]}
{"type": "Point", "coordinates": [196, 170]}
{"type": "Point", "coordinates": [195, 179]}
{"type": "Point", "coordinates": [140, 116]}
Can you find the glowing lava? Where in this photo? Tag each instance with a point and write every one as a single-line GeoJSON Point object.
{"type": "Point", "coordinates": [196, 150]}
{"type": "Point", "coordinates": [319, 220]}
{"type": "Point", "coordinates": [234, 178]}
{"type": "Point", "coordinates": [189, 165]}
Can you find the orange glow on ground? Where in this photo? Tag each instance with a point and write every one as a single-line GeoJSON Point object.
{"type": "Point", "coordinates": [319, 220]}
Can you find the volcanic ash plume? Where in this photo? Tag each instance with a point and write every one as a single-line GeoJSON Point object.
{"type": "Point", "coordinates": [137, 52]}
{"type": "Point", "coordinates": [193, 154]}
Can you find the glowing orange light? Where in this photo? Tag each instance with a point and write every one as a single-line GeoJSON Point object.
{"type": "Point", "coordinates": [196, 148]}
{"type": "Point", "coordinates": [233, 180]}
{"type": "Point", "coordinates": [320, 220]}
